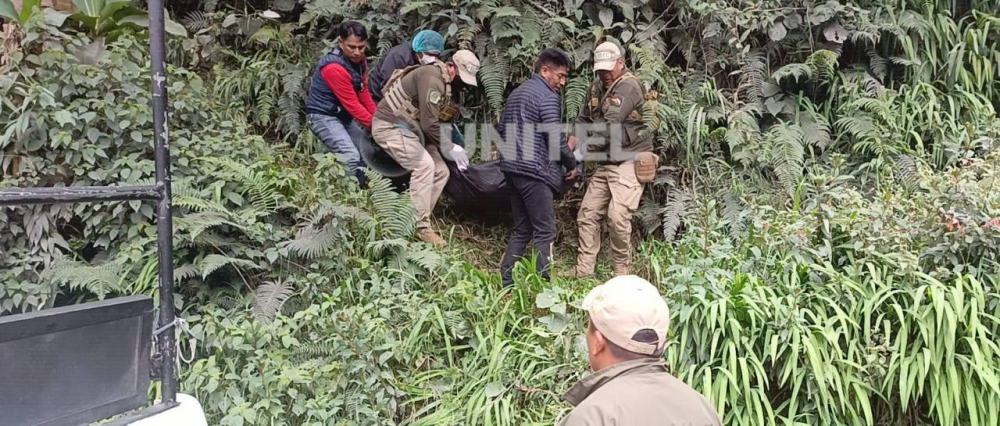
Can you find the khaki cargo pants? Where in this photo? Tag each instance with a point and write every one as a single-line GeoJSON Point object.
{"type": "Point", "coordinates": [428, 171]}
{"type": "Point", "coordinates": [613, 191]}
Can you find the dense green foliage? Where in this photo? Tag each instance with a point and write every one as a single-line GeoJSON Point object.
{"type": "Point", "coordinates": [825, 227]}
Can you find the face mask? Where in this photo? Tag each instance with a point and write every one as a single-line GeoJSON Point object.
{"type": "Point", "coordinates": [427, 59]}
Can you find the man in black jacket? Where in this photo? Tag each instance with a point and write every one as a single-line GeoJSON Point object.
{"type": "Point", "coordinates": [425, 48]}
{"type": "Point", "coordinates": [535, 159]}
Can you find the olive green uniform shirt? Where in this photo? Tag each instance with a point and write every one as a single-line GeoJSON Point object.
{"type": "Point", "coordinates": [623, 105]}
{"type": "Point", "coordinates": [427, 86]}
{"type": "Point", "coordinates": [637, 393]}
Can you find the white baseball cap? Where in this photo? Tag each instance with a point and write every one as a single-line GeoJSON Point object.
{"type": "Point", "coordinates": [467, 64]}
{"type": "Point", "coordinates": [625, 305]}
{"type": "Point", "coordinates": [605, 56]}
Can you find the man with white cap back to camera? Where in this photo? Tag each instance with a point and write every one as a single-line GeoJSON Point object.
{"type": "Point", "coordinates": [407, 125]}
{"type": "Point", "coordinates": [615, 139]}
{"type": "Point", "coordinates": [626, 336]}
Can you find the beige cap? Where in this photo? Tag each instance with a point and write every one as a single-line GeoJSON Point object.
{"type": "Point", "coordinates": [468, 66]}
{"type": "Point", "coordinates": [605, 56]}
{"type": "Point", "coordinates": [623, 306]}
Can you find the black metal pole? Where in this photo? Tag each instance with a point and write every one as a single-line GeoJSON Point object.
{"type": "Point", "coordinates": [164, 219]}
{"type": "Point", "coordinates": [76, 194]}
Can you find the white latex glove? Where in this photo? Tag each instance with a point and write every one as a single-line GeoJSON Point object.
{"type": "Point", "coordinates": [461, 158]}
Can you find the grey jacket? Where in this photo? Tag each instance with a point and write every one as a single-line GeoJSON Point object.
{"type": "Point", "coordinates": [637, 393]}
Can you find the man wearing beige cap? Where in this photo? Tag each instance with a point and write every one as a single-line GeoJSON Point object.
{"type": "Point", "coordinates": [407, 124]}
{"type": "Point", "coordinates": [630, 385]}
{"type": "Point", "coordinates": [611, 129]}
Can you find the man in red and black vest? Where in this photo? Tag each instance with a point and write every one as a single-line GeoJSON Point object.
{"type": "Point", "coordinates": [339, 107]}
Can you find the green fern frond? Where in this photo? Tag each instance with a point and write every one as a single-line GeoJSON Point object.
{"type": "Point", "coordinates": [505, 30]}
{"type": "Point", "coordinates": [394, 213]}
{"type": "Point", "coordinates": [199, 204]}
{"type": "Point", "coordinates": [815, 125]}
{"type": "Point", "coordinates": [185, 273]}
{"type": "Point", "coordinates": [428, 260]}
{"type": "Point", "coordinates": [823, 65]}
{"type": "Point", "coordinates": [675, 211]}
{"type": "Point", "coordinates": [866, 33]}
{"type": "Point", "coordinates": [733, 212]}
{"type": "Point", "coordinates": [100, 280]}
{"type": "Point", "coordinates": [261, 190]}
{"type": "Point", "coordinates": [505, 11]}
{"type": "Point", "coordinates": [198, 20]}
{"type": "Point", "coordinates": [530, 27]}
{"type": "Point", "coordinates": [292, 98]}
{"type": "Point", "coordinates": [314, 351]}
{"type": "Point", "coordinates": [265, 106]}
{"type": "Point", "coordinates": [878, 64]}
{"type": "Point", "coordinates": [575, 95]}
{"type": "Point", "coordinates": [311, 242]}
{"type": "Point", "coordinates": [794, 70]}
{"type": "Point", "coordinates": [912, 21]}
{"type": "Point", "coordinates": [649, 217]}
{"type": "Point", "coordinates": [230, 298]}
{"type": "Point", "coordinates": [494, 75]}
{"type": "Point", "coordinates": [264, 35]}
{"type": "Point", "coordinates": [382, 248]}
{"type": "Point", "coordinates": [410, 6]}
{"type": "Point", "coordinates": [787, 155]}
{"type": "Point", "coordinates": [269, 298]}
{"type": "Point", "coordinates": [652, 66]}
{"type": "Point", "coordinates": [197, 223]}
{"type": "Point", "coordinates": [742, 129]}
{"type": "Point", "coordinates": [906, 172]}
{"type": "Point", "coordinates": [752, 78]}
{"type": "Point", "coordinates": [214, 262]}
{"type": "Point", "coordinates": [860, 127]}
{"type": "Point", "coordinates": [467, 34]}
{"type": "Point", "coordinates": [553, 33]}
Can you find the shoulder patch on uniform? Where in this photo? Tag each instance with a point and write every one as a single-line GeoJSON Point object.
{"type": "Point", "coordinates": [594, 103]}
{"type": "Point", "coordinates": [433, 96]}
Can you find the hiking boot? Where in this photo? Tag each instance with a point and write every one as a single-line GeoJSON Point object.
{"type": "Point", "coordinates": [574, 273]}
{"type": "Point", "coordinates": [618, 270]}
{"type": "Point", "coordinates": [428, 235]}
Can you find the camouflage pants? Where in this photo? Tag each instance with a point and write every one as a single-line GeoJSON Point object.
{"type": "Point", "coordinates": [428, 171]}
{"type": "Point", "coordinates": [613, 191]}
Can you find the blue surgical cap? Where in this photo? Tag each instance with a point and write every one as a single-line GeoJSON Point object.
{"type": "Point", "coordinates": [428, 41]}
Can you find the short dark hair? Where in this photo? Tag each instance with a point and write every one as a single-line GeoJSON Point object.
{"type": "Point", "coordinates": [644, 336]}
{"type": "Point", "coordinates": [551, 58]}
{"type": "Point", "coordinates": [349, 28]}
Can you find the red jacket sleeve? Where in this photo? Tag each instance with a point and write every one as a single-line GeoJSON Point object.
{"type": "Point", "coordinates": [339, 81]}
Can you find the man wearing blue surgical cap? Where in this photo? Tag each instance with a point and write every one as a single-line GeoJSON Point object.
{"type": "Point", "coordinates": [425, 48]}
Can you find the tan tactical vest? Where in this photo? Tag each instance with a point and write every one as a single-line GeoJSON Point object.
{"type": "Point", "coordinates": [603, 104]}
{"type": "Point", "coordinates": [403, 105]}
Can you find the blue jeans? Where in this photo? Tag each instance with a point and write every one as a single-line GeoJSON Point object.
{"type": "Point", "coordinates": [343, 139]}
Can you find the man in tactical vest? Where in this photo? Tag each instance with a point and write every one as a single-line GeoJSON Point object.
{"type": "Point", "coordinates": [407, 124]}
{"type": "Point", "coordinates": [425, 48]}
{"type": "Point", "coordinates": [613, 128]}
{"type": "Point", "coordinates": [339, 107]}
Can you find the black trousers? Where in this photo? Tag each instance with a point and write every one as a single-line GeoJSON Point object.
{"type": "Point", "coordinates": [532, 202]}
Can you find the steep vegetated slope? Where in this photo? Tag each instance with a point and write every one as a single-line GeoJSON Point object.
{"type": "Point", "coordinates": [826, 225]}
